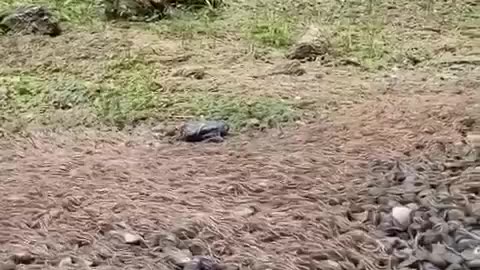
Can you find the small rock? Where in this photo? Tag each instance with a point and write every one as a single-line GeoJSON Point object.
{"type": "Point", "coordinates": [132, 239]}
{"type": "Point", "coordinates": [311, 45]}
{"type": "Point", "coordinates": [196, 131]}
{"type": "Point", "coordinates": [65, 262]}
{"type": "Point", "coordinates": [31, 19]}
{"type": "Point", "coordinates": [244, 211]}
{"type": "Point", "coordinates": [474, 139]}
{"type": "Point", "coordinates": [22, 258]}
{"type": "Point", "coordinates": [202, 263]}
{"type": "Point", "coordinates": [178, 257]}
{"type": "Point", "coordinates": [361, 217]}
{"type": "Point", "coordinates": [401, 215]}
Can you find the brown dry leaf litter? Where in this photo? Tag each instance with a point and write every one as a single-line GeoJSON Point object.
{"type": "Point", "coordinates": [299, 201]}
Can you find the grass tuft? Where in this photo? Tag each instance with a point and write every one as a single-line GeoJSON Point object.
{"type": "Point", "coordinates": [130, 100]}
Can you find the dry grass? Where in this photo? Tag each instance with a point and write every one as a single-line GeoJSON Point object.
{"type": "Point", "coordinates": [108, 78]}
{"type": "Point", "coordinates": [309, 206]}
{"type": "Point", "coordinates": [296, 197]}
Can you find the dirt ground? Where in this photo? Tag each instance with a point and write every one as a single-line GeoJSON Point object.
{"type": "Point", "coordinates": [311, 195]}
{"type": "Point", "coordinates": [283, 200]}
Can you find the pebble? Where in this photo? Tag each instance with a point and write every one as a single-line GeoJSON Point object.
{"type": "Point", "coordinates": [178, 257]}
{"type": "Point", "coordinates": [401, 214]}
{"type": "Point", "coordinates": [65, 262]}
{"type": "Point", "coordinates": [244, 211]}
{"type": "Point", "coordinates": [132, 239]}
{"type": "Point", "coordinates": [203, 263]}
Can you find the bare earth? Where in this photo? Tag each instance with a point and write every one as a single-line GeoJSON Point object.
{"type": "Point", "coordinates": [292, 198]}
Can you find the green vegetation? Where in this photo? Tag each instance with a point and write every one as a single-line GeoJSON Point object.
{"type": "Point", "coordinates": [376, 34]}
{"type": "Point", "coordinates": [128, 101]}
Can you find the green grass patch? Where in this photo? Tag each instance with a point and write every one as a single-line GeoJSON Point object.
{"type": "Point", "coordinates": [379, 34]}
{"type": "Point", "coordinates": [188, 24]}
{"type": "Point", "coordinates": [376, 33]}
{"type": "Point", "coordinates": [365, 41]}
{"type": "Point", "coordinates": [271, 29]}
{"type": "Point", "coordinates": [127, 101]}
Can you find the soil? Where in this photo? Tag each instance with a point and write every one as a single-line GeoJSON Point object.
{"type": "Point", "coordinates": [293, 198]}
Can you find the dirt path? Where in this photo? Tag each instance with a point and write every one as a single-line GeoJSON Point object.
{"type": "Point", "coordinates": [282, 200]}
